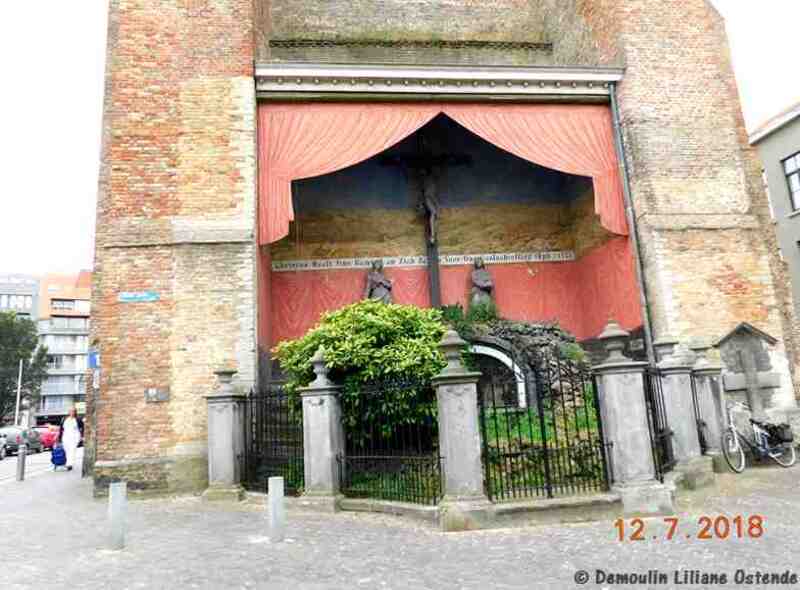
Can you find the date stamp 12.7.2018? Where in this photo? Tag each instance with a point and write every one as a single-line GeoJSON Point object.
{"type": "Point", "coordinates": [704, 528]}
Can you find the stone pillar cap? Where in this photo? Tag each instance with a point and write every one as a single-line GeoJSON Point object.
{"type": "Point", "coordinates": [700, 344]}
{"type": "Point", "coordinates": [319, 355]}
{"type": "Point", "coordinates": [614, 336]}
{"type": "Point", "coordinates": [225, 377]}
{"type": "Point", "coordinates": [451, 338]}
{"type": "Point", "coordinates": [681, 358]}
{"type": "Point", "coordinates": [703, 365]}
{"type": "Point", "coordinates": [219, 395]}
{"type": "Point", "coordinates": [451, 346]}
{"type": "Point", "coordinates": [613, 330]}
{"type": "Point", "coordinates": [321, 381]}
{"type": "Point", "coordinates": [225, 373]}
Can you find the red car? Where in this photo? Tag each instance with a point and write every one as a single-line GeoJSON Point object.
{"type": "Point", "coordinates": [48, 435]}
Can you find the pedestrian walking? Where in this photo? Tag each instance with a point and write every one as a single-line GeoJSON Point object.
{"type": "Point", "coordinates": [70, 436]}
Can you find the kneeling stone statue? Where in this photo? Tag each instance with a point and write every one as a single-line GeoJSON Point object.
{"type": "Point", "coordinates": [482, 284]}
{"type": "Point", "coordinates": [378, 286]}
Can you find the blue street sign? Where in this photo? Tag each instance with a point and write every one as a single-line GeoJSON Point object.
{"type": "Point", "coordinates": [138, 296]}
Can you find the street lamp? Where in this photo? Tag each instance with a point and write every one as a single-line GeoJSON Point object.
{"type": "Point", "coordinates": [19, 390]}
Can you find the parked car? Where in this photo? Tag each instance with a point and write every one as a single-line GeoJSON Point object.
{"type": "Point", "coordinates": [48, 435]}
{"type": "Point", "coordinates": [16, 435]}
{"type": "Point", "coordinates": [2, 447]}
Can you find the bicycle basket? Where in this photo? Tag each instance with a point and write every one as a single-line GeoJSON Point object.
{"type": "Point", "coordinates": [780, 433]}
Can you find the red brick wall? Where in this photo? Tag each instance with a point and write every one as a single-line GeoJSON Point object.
{"type": "Point", "coordinates": [706, 233]}
{"type": "Point", "coordinates": [176, 211]}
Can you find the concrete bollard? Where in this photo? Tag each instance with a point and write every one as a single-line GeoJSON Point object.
{"type": "Point", "coordinates": [118, 513]}
{"type": "Point", "coordinates": [277, 510]}
{"type": "Point", "coordinates": [22, 452]}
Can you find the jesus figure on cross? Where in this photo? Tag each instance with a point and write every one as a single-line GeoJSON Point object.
{"type": "Point", "coordinates": [424, 169]}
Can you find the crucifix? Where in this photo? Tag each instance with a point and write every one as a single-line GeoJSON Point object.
{"type": "Point", "coordinates": [423, 170]}
{"type": "Point", "coordinates": [749, 368]}
{"type": "Point", "coordinates": [756, 384]}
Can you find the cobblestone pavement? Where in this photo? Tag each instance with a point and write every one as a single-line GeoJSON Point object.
{"type": "Point", "coordinates": [185, 543]}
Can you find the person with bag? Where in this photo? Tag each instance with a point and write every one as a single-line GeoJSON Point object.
{"type": "Point", "coordinates": [70, 435]}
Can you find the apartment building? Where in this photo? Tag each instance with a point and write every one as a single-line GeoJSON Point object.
{"type": "Point", "coordinates": [20, 293]}
{"type": "Point", "coordinates": [63, 319]}
{"type": "Point", "coordinates": [778, 144]}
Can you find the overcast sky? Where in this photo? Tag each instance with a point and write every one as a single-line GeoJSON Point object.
{"type": "Point", "coordinates": [53, 59]}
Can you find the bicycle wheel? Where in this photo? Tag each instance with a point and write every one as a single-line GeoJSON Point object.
{"type": "Point", "coordinates": [787, 458]}
{"type": "Point", "coordinates": [733, 451]}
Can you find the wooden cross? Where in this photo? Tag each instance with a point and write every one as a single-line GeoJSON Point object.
{"type": "Point", "coordinates": [423, 170]}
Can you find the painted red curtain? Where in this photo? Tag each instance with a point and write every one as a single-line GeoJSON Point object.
{"type": "Point", "coordinates": [568, 138]}
{"type": "Point", "coordinates": [306, 140]}
{"type": "Point", "coordinates": [580, 294]}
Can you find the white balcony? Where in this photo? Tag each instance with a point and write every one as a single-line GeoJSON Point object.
{"type": "Point", "coordinates": [54, 405]}
{"type": "Point", "coordinates": [66, 370]}
{"type": "Point", "coordinates": [62, 392]}
{"type": "Point", "coordinates": [67, 349]}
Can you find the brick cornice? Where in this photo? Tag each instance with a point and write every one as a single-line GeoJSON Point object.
{"type": "Point", "coordinates": [274, 80]}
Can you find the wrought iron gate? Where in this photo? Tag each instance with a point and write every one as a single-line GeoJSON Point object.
{"type": "Point", "coordinates": [387, 458]}
{"type": "Point", "coordinates": [273, 424]}
{"type": "Point", "coordinates": [541, 429]}
{"type": "Point", "coordinates": [660, 432]}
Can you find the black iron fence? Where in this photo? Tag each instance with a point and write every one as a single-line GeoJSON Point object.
{"type": "Point", "coordinates": [273, 439]}
{"type": "Point", "coordinates": [541, 430]}
{"type": "Point", "coordinates": [660, 432]}
{"type": "Point", "coordinates": [388, 457]}
{"type": "Point", "coordinates": [702, 427]}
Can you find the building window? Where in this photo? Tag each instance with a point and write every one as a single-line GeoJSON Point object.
{"type": "Point", "coordinates": [63, 304]}
{"type": "Point", "coordinates": [55, 361]}
{"type": "Point", "coordinates": [16, 301]}
{"type": "Point", "coordinates": [791, 167]}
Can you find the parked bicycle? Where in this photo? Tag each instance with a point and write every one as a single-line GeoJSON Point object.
{"type": "Point", "coordinates": [769, 440]}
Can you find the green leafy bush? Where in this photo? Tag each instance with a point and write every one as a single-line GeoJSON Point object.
{"type": "Point", "coordinates": [369, 342]}
{"type": "Point", "coordinates": [482, 313]}
{"type": "Point", "coordinates": [454, 316]}
{"type": "Point", "coordinates": [466, 324]}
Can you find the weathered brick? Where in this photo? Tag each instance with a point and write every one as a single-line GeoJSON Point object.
{"type": "Point", "coordinates": [176, 215]}
{"type": "Point", "coordinates": [709, 246]}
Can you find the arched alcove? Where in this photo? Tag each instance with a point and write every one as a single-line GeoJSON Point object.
{"type": "Point", "coordinates": [516, 372]}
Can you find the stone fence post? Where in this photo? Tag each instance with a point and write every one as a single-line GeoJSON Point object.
{"type": "Point", "coordinates": [676, 384]}
{"type": "Point", "coordinates": [225, 440]}
{"type": "Point", "coordinates": [708, 386]}
{"type": "Point", "coordinates": [676, 375]}
{"type": "Point", "coordinates": [623, 410]}
{"type": "Point", "coordinates": [464, 505]}
{"type": "Point", "coordinates": [323, 439]}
